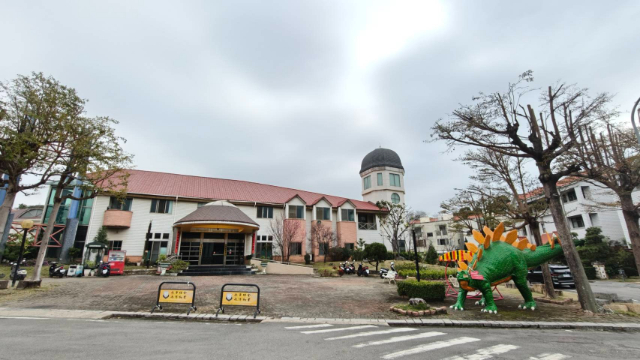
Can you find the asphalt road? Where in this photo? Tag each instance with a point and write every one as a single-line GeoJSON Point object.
{"type": "Point", "coordinates": [625, 290]}
{"type": "Point", "coordinates": [40, 338]}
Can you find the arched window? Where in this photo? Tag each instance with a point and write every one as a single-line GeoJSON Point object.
{"type": "Point", "coordinates": [395, 198]}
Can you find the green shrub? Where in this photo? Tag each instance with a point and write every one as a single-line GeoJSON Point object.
{"type": "Point", "coordinates": [432, 255]}
{"type": "Point", "coordinates": [339, 254]}
{"type": "Point", "coordinates": [375, 252]}
{"type": "Point", "coordinates": [390, 255]}
{"type": "Point", "coordinates": [427, 290]}
{"type": "Point", "coordinates": [427, 274]}
{"type": "Point", "coordinates": [591, 272]}
{"type": "Point", "coordinates": [74, 253]}
{"type": "Point", "coordinates": [178, 265]}
{"type": "Point", "coordinates": [630, 271]}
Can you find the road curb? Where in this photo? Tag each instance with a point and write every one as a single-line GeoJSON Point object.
{"type": "Point", "coordinates": [185, 317]}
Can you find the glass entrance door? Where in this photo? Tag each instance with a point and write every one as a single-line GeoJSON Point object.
{"type": "Point", "coordinates": [212, 253]}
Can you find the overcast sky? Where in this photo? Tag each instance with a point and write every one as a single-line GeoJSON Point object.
{"type": "Point", "coordinates": [295, 93]}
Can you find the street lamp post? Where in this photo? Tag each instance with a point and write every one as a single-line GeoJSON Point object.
{"type": "Point", "coordinates": [415, 250]}
{"type": "Point", "coordinates": [633, 112]}
{"type": "Point", "coordinates": [26, 226]}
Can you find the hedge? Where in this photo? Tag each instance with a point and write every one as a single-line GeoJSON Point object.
{"type": "Point", "coordinates": [428, 274]}
{"type": "Point", "coordinates": [591, 272]}
{"type": "Point", "coordinates": [427, 290]}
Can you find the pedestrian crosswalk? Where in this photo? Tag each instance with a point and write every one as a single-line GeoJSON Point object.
{"type": "Point", "coordinates": [411, 342]}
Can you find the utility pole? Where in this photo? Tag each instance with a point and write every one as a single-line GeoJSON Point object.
{"type": "Point", "coordinates": [147, 248]}
{"type": "Point", "coordinates": [415, 251]}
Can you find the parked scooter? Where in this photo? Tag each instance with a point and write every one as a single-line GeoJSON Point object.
{"type": "Point", "coordinates": [384, 271]}
{"type": "Point", "coordinates": [21, 275]}
{"type": "Point", "coordinates": [104, 269]}
{"type": "Point", "coordinates": [55, 270]}
{"type": "Point", "coordinates": [363, 271]}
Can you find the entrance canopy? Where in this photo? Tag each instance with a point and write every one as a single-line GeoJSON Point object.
{"type": "Point", "coordinates": [217, 217]}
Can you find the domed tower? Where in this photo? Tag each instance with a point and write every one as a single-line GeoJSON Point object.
{"type": "Point", "coordinates": [382, 177]}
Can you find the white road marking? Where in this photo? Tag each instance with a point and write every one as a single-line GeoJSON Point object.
{"type": "Point", "coordinates": [400, 338]}
{"type": "Point", "coordinates": [547, 356]}
{"type": "Point", "coordinates": [371, 333]}
{"type": "Point", "coordinates": [308, 326]}
{"type": "Point", "coordinates": [338, 329]}
{"type": "Point", "coordinates": [23, 317]}
{"type": "Point", "coordinates": [429, 347]}
{"type": "Point", "coordinates": [486, 353]}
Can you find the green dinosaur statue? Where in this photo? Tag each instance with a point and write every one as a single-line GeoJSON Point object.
{"type": "Point", "coordinates": [500, 259]}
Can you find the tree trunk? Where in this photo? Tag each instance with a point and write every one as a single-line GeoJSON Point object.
{"type": "Point", "coordinates": [546, 274]}
{"type": "Point", "coordinates": [5, 209]}
{"type": "Point", "coordinates": [45, 239]}
{"type": "Point", "coordinates": [585, 295]}
{"type": "Point", "coordinates": [631, 217]}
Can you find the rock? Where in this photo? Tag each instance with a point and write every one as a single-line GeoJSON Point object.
{"type": "Point", "coordinates": [606, 296]}
{"type": "Point", "coordinates": [588, 313]}
{"type": "Point", "coordinates": [617, 307]}
{"type": "Point", "coordinates": [392, 308]}
{"type": "Point", "coordinates": [4, 284]}
{"type": "Point", "coordinates": [432, 311]}
{"type": "Point", "coordinates": [402, 312]}
{"type": "Point", "coordinates": [421, 313]}
{"type": "Point", "coordinates": [28, 284]}
{"type": "Point", "coordinates": [634, 308]}
{"type": "Point", "coordinates": [416, 301]}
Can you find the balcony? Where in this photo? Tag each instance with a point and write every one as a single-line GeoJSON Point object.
{"type": "Point", "coordinates": [117, 219]}
{"type": "Point", "coordinates": [367, 226]}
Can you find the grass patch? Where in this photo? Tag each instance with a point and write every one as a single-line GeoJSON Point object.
{"type": "Point", "coordinates": [419, 307]}
{"type": "Point", "coordinates": [6, 270]}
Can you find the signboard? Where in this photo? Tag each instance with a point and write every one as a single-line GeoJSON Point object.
{"type": "Point", "coordinates": [238, 298]}
{"type": "Point", "coordinates": [176, 296]}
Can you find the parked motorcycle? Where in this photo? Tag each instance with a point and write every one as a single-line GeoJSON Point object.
{"type": "Point", "coordinates": [363, 270]}
{"type": "Point", "coordinates": [20, 275]}
{"type": "Point", "coordinates": [56, 271]}
{"type": "Point", "coordinates": [384, 271]}
{"type": "Point", "coordinates": [104, 269]}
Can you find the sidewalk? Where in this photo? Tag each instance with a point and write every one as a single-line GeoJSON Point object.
{"type": "Point", "coordinates": [104, 315]}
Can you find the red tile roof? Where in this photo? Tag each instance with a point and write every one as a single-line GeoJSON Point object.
{"type": "Point", "coordinates": [197, 187]}
{"type": "Point", "coordinates": [561, 183]}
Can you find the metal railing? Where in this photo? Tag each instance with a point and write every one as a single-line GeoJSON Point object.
{"type": "Point", "coordinates": [367, 226]}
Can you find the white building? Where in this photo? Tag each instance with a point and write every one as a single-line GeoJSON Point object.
{"type": "Point", "coordinates": [210, 221]}
{"type": "Point", "coordinates": [441, 233]}
{"type": "Point", "coordinates": [580, 200]}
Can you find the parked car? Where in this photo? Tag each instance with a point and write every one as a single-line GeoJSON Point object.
{"type": "Point", "coordinates": [560, 274]}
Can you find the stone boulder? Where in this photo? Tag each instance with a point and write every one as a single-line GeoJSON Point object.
{"type": "Point", "coordinates": [416, 301]}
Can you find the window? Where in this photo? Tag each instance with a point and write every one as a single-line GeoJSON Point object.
{"type": "Point", "coordinates": [165, 236]}
{"type": "Point", "coordinates": [380, 179]}
{"type": "Point", "coordinates": [442, 241]}
{"type": "Point", "coordinates": [161, 206]}
{"type": "Point", "coordinates": [296, 248]}
{"type": "Point", "coordinates": [349, 246]}
{"type": "Point", "coordinates": [120, 204]}
{"type": "Point", "coordinates": [32, 213]}
{"type": "Point", "coordinates": [348, 215]}
{"type": "Point", "coordinates": [402, 246]}
{"type": "Point", "coordinates": [367, 222]}
{"type": "Point", "coordinates": [296, 212]}
{"type": "Point", "coordinates": [323, 213]}
{"type": "Point", "coordinates": [429, 234]}
{"type": "Point", "coordinates": [367, 182]}
{"type": "Point", "coordinates": [576, 222]}
{"type": "Point", "coordinates": [115, 245]}
{"type": "Point", "coordinates": [586, 192]}
{"type": "Point", "coordinates": [395, 198]}
{"type": "Point", "coordinates": [157, 235]}
{"type": "Point", "coordinates": [265, 212]}
{"type": "Point", "coordinates": [524, 230]}
{"type": "Point", "coordinates": [442, 229]}
{"type": "Point", "coordinates": [594, 219]}
{"type": "Point", "coordinates": [394, 180]}
{"type": "Point", "coordinates": [569, 196]}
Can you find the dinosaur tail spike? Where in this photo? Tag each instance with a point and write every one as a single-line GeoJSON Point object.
{"type": "Point", "coordinates": [532, 247]}
{"type": "Point", "coordinates": [497, 233]}
{"type": "Point", "coordinates": [511, 236]}
{"type": "Point", "coordinates": [477, 236]}
{"type": "Point", "coordinates": [487, 242]}
{"type": "Point", "coordinates": [471, 247]}
{"type": "Point", "coordinates": [480, 254]}
{"type": "Point", "coordinates": [523, 244]}
{"type": "Point", "coordinates": [487, 231]}
{"type": "Point", "coordinates": [462, 265]}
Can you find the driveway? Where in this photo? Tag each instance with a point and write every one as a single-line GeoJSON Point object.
{"type": "Point", "coordinates": [625, 290]}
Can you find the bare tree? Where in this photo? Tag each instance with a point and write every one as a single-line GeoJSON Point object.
{"type": "Point", "coordinates": [613, 159]}
{"type": "Point", "coordinates": [474, 208]}
{"type": "Point", "coordinates": [284, 234]}
{"type": "Point", "coordinates": [513, 182]}
{"type": "Point", "coordinates": [395, 221]}
{"type": "Point", "coordinates": [493, 122]}
{"type": "Point", "coordinates": [321, 237]}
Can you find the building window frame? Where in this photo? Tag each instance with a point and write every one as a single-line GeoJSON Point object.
{"type": "Point", "coordinates": [115, 244]}
{"type": "Point", "coordinates": [380, 181]}
{"type": "Point", "coordinates": [577, 222]}
{"type": "Point", "coordinates": [296, 212]}
{"type": "Point", "coordinates": [295, 248]}
{"type": "Point", "coordinates": [394, 180]}
{"type": "Point", "coordinates": [367, 182]}
{"type": "Point", "coordinates": [118, 204]}
{"type": "Point", "coordinates": [348, 215]}
{"type": "Point", "coordinates": [161, 206]}
{"type": "Point", "coordinates": [323, 213]}
{"type": "Point", "coordinates": [569, 196]}
{"type": "Point", "coordinates": [395, 198]}
{"type": "Point", "coordinates": [265, 212]}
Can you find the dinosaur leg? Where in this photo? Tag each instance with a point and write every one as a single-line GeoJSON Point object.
{"type": "Point", "coordinates": [521, 284]}
{"type": "Point", "coordinates": [482, 302]}
{"type": "Point", "coordinates": [487, 294]}
{"type": "Point", "coordinates": [459, 305]}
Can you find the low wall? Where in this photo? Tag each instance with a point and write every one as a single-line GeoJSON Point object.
{"type": "Point", "coordinates": [274, 268]}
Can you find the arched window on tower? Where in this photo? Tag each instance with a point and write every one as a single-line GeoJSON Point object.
{"type": "Point", "coordinates": [395, 198]}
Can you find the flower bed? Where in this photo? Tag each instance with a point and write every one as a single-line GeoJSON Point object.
{"type": "Point", "coordinates": [427, 290]}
